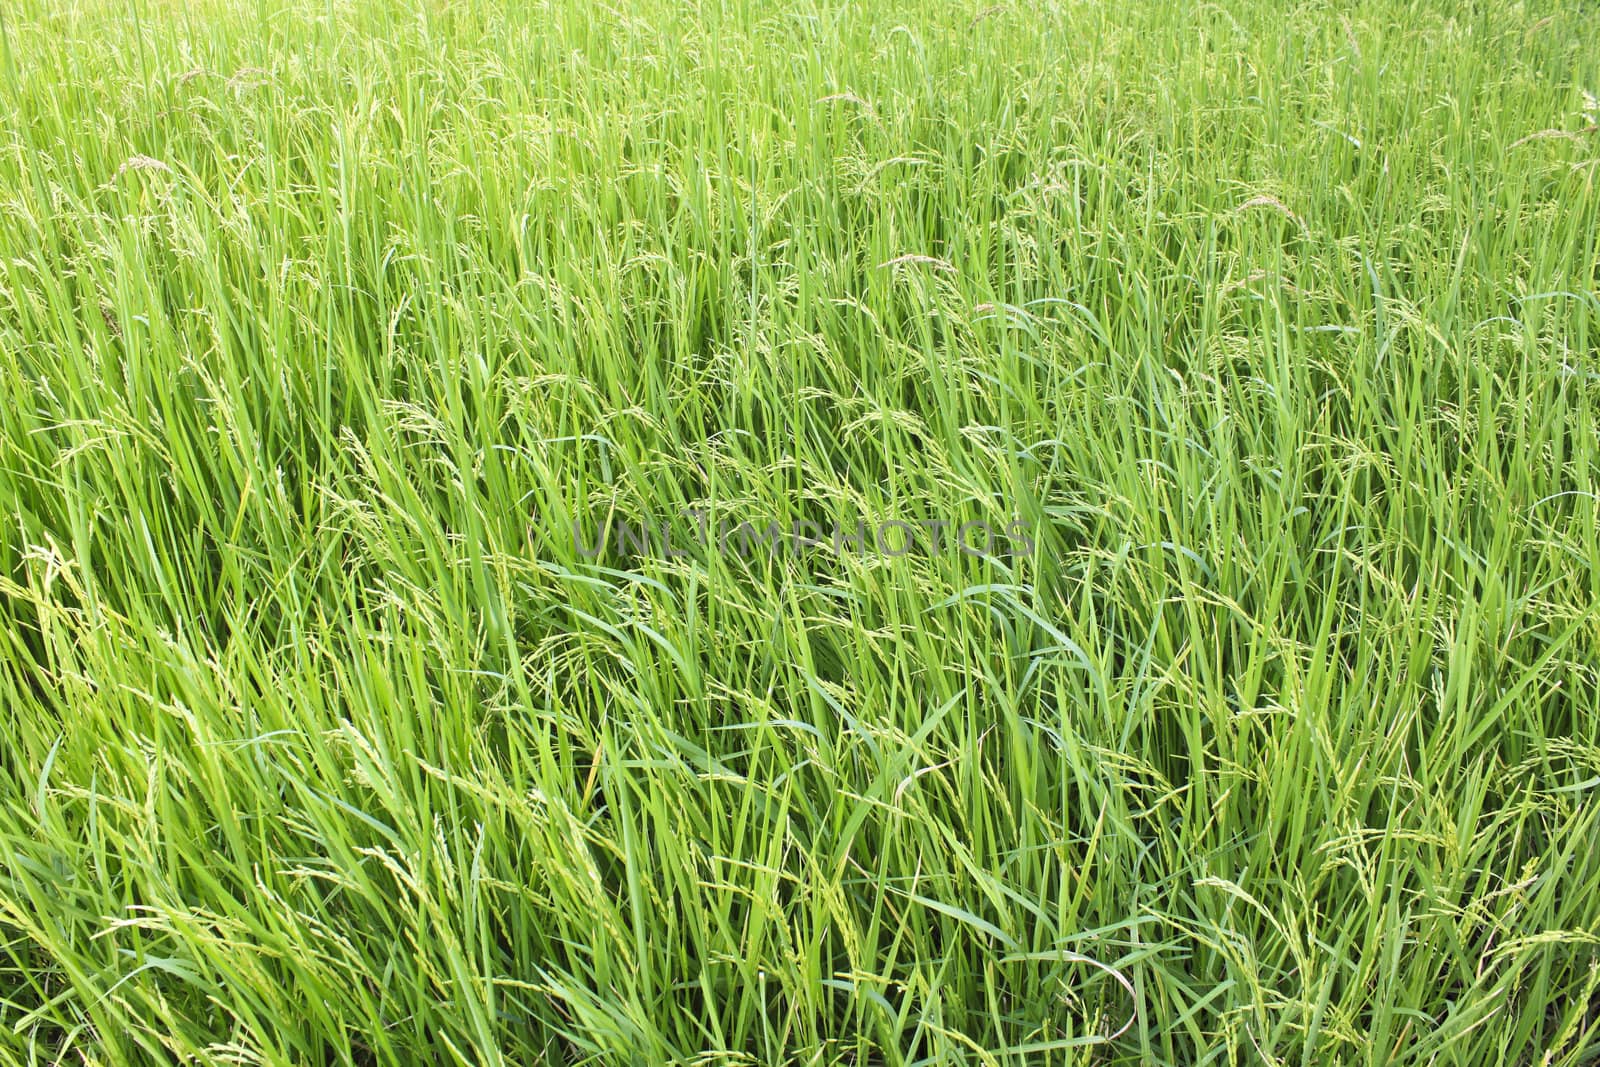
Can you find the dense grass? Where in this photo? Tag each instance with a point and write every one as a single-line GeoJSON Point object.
{"type": "Point", "coordinates": [322, 325]}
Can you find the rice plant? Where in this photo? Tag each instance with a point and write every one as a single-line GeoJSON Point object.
{"type": "Point", "coordinates": [799, 533]}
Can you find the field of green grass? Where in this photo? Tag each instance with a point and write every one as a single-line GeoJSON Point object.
{"type": "Point", "coordinates": [336, 334]}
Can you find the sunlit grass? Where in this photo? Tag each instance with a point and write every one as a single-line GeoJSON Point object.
{"type": "Point", "coordinates": [325, 327]}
